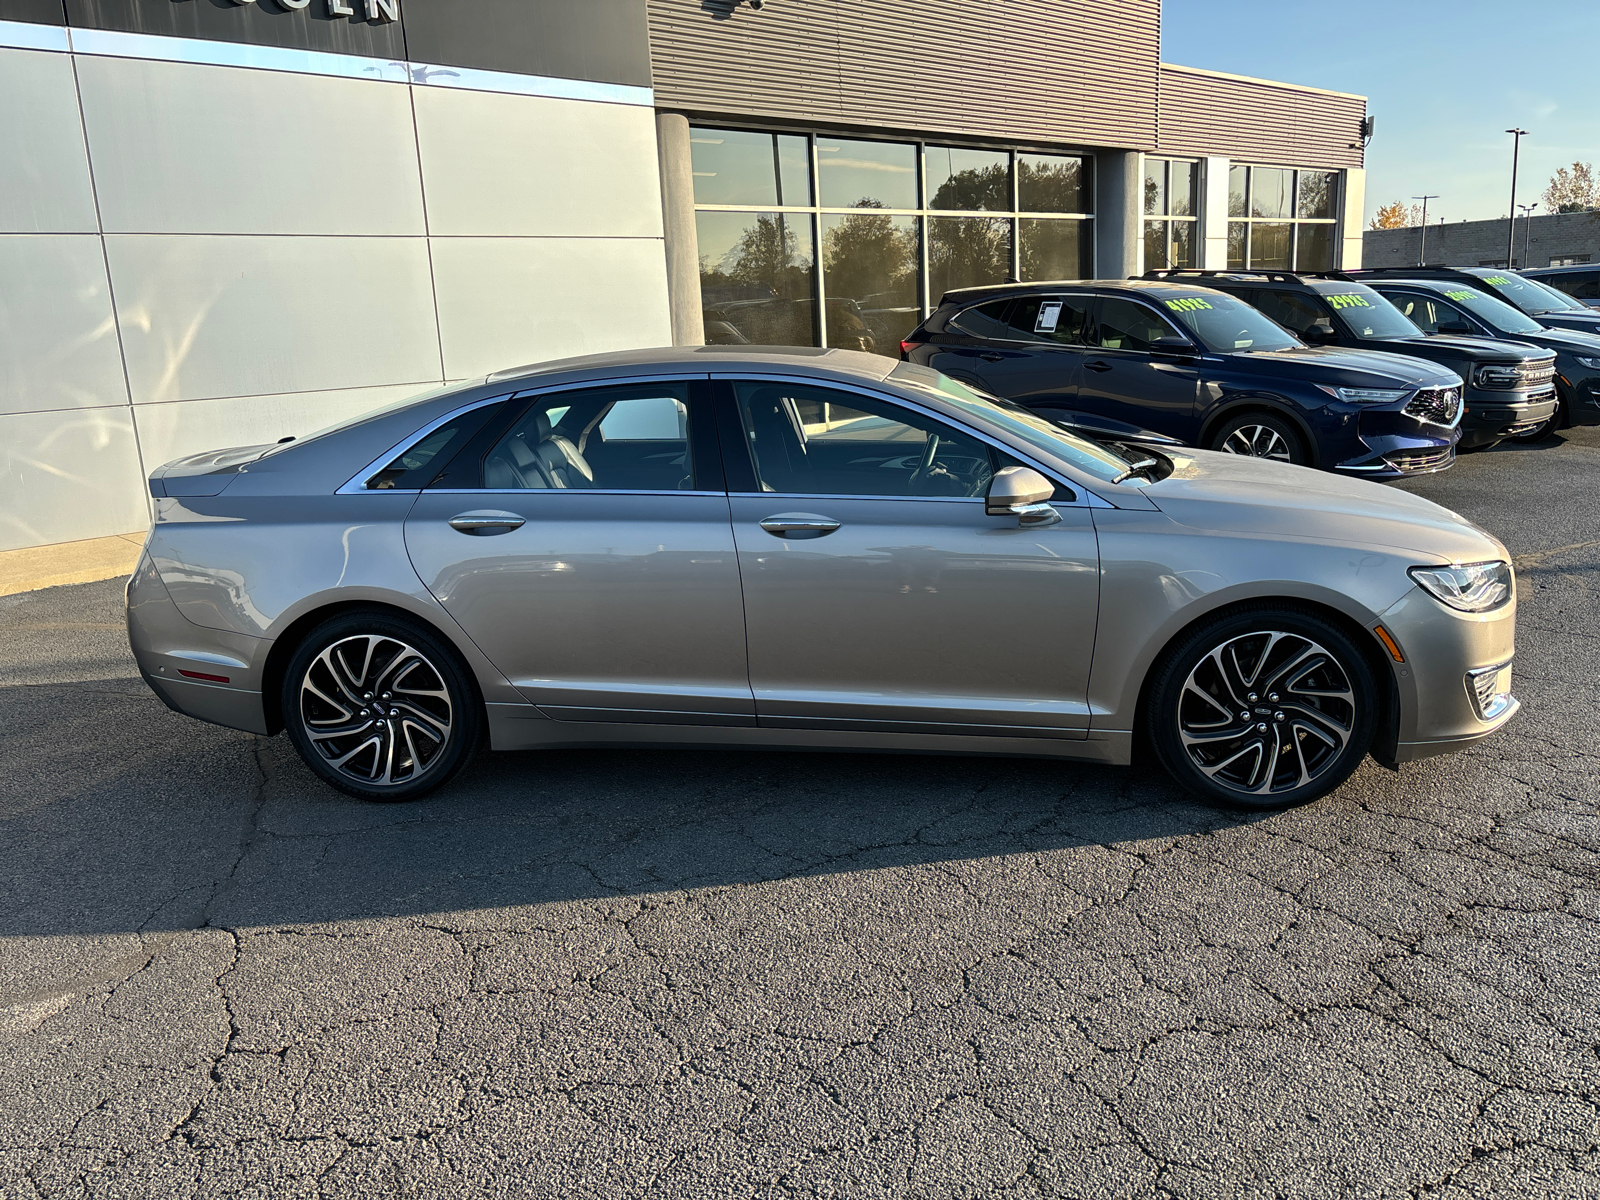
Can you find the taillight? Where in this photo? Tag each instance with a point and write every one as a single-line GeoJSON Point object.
{"type": "Point", "coordinates": [905, 347]}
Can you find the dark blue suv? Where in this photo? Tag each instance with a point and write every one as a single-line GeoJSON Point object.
{"type": "Point", "coordinates": [1116, 358]}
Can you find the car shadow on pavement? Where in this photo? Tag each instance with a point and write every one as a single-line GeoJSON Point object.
{"type": "Point", "coordinates": [131, 819]}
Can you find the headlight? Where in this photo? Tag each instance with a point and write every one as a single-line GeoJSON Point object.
{"type": "Point", "coordinates": [1493, 376]}
{"type": "Point", "coordinates": [1592, 363]}
{"type": "Point", "coordinates": [1366, 395]}
{"type": "Point", "coordinates": [1470, 587]}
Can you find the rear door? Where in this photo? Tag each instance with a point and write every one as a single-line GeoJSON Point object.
{"type": "Point", "coordinates": [1127, 384]}
{"type": "Point", "coordinates": [583, 542]}
{"type": "Point", "coordinates": [1042, 352]}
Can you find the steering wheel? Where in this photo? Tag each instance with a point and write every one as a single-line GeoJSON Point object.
{"type": "Point", "coordinates": [925, 464]}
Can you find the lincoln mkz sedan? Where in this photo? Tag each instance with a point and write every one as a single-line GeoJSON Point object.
{"type": "Point", "coordinates": [793, 548]}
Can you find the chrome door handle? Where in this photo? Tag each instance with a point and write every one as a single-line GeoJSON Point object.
{"type": "Point", "coordinates": [991, 357]}
{"type": "Point", "coordinates": [486, 522]}
{"type": "Point", "coordinates": [799, 525]}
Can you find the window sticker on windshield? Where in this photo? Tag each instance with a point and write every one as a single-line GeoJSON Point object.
{"type": "Point", "coordinates": [1495, 279]}
{"type": "Point", "coordinates": [1348, 301]}
{"type": "Point", "coordinates": [1461, 295]}
{"type": "Point", "coordinates": [1049, 317]}
{"type": "Point", "coordinates": [1187, 304]}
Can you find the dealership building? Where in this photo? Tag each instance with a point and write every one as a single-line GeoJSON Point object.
{"type": "Point", "coordinates": [225, 222]}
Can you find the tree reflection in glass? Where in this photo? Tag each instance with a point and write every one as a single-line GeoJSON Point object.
{"type": "Point", "coordinates": [869, 272]}
{"type": "Point", "coordinates": [1054, 249]}
{"type": "Point", "coordinates": [967, 252]}
{"type": "Point", "coordinates": [969, 180]}
{"type": "Point", "coordinates": [757, 278]}
{"type": "Point", "coordinates": [1051, 183]}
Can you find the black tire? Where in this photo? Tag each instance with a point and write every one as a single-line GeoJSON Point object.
{"type": "Point", "coordinates": [389, 743]}
{"type": "Point", "coordinates": [1282, 748]}
{"type": "Point", "coordinates": [1261, 435]}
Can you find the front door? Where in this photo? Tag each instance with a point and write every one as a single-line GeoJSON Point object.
{"type": "Point", "coordinates": [1125, 382]}
{"type": "Point", "coordinates": [878, 594]}
{"type": "Point", "coordinates": [586, 549]}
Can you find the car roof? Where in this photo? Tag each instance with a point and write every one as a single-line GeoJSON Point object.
{"type": "Point", "coordinates": [1588, 266]}
{"type": "Point", "coordinates": [701, 360]}
{"type": "Point", "coordinates": [1435, 284]}
{"type": "Point", "coordinates": [999, 291]}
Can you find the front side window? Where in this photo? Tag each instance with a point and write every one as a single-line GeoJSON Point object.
{"type": "Point", "coordinates": [808, 440]}
{"type": "Point", "coordinates": [1120, 324]}
{"type": "Point", "coordinates": [1297, 313]}
{"type": "Point", "coordinates": [1430, 314]}
{"type": "Point", "coordinates": [633, 439]}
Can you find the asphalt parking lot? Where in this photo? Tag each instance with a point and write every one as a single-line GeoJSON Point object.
{"type": "Point", "coordinates": [697, 974]}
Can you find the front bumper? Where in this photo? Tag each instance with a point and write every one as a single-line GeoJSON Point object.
{"type": "Point", "coordinates": [1395, 445]}
{"type": "Point", "coordinates": [1443, 648]}
{"type": "Point", "coordinates": [1583, 398]}
{"type": "Point", "coordinates": [1494, 416]}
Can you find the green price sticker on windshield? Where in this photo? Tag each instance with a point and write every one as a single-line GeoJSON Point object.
{"type": "Point", "coordinates": [1495, 279]}
{"type": "Point", "coordinates": [1187, 304]}
{"type": "Point", "coordinates": [1349, 301]}
{"type": "Point", "coordinates": [1461, 295]}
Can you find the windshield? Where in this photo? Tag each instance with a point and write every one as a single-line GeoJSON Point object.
{"type": "Point", "coordinates": [1097, 460]}
{"type": "Point", "coordinates": [1224, 324]}
{"type": "Point", "coordinates": [1560, 298]}
{"type": "Point", "coordinates": [1530, 297]}
{"type": "Point", "coordinates": [1369, 315]}
{"type": "Point", "coordinates": [1499, 315]}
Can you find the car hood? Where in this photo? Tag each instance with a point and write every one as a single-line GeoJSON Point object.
{"type": "Point", "coordinates": [1571, 318]}
{"type": "Point", "coordinates": [1236, 494]}
{"type": "Point", "coordinates": [1379, 367]}
{"type": "Point", "coordinates": [1477, 349]}
{"type": "Point", "coordinates": [1564, 339]}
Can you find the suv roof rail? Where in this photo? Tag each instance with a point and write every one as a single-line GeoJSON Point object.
{"type": "Point", "coordinates": [1245, 273]}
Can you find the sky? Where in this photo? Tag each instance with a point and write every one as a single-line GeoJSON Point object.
{"type": "Point", "coordinates": [1442, 78]}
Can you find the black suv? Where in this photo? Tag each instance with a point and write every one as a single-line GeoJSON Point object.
{"type": "Point", "coordinates": [1510, 387]}
{"type": "Point", "coordinates": [1118, 356]}
{"type": "Point", "coordinates": [1551, 308]}
{"type": "Point", "coordinates": [1446, 306]}
{"type": "Point", "coordinates": [1581, 281]}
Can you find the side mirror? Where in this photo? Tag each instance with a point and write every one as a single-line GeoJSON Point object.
{"type": "Point", "coordinates": [1317, 335]}
{"type": "Point", "coordinates": [1171, 345]}
{"type": "Point", "coordinates": [1023, 493]}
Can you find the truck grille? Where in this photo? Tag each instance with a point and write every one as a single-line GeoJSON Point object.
{"type": "Point", "coordinates": [1532, 374]}
{"type": "Point", "coordinates": [1440, 405]}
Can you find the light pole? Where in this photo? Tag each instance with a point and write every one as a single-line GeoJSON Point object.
{"type": "Point", "coordinates": [1511, 231]}
{"type": "Point", "coordinates": [1527, 228]}
{"type": "Point", "coordinates": [1422, 251]}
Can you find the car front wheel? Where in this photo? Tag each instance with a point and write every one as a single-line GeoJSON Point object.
{"type": "Point", "coordinates": [1261, 435]}
{"type": "Point", "coordinates": [380, 707]}
{"type": "Point", "coordinates": [1263, 709]}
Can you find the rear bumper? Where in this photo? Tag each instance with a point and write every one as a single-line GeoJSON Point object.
{"type": "Point", "coordinates": [1494, 416]}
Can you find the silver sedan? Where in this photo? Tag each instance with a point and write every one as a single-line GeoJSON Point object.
{"type": "Point", "coordinates": [748, 547]}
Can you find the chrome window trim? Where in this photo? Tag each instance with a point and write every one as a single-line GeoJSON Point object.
{"type": "Point", "coordinates": [356, 484]}
{"type": "Point", "coordinates": [1069, 346]}
{"type": "Point", "coordinates": [1081, 489]}
{"type": "Point", "coordinates": [566, 492]}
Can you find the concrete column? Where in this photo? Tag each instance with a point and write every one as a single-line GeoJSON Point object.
{"type": "Point", "coordinates": [1118, 224]}
{"type": "Point", "coordinates": [677, 214]}
{"type": "Point", "coordinates": [1214, 214]}
{"type": "Point", "coordinates": [1352, 210]}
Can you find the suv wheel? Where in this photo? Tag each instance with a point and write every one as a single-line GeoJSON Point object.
{"type": "Point", "coordinates": [1261, 435]}
{"type": "Point", "coordinates": [380, 707]}
{"type": "Point", "coordinates": [1263, 709]}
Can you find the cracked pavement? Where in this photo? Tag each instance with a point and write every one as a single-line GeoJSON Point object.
{"type": "Point", "coordinates": [688, 974]}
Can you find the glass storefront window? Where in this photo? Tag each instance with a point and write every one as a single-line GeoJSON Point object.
{"type": "Point", "coordinates": [1270, 192]}
{"type": "Point", "coordinates": [1238, 242]}
{"type": "Point", "coordinates": [1291, 221]}
{"type": "Point", "coordinates": [869, 268]}
{"type": "Point", "coordinates": [1056, 249]}
{"type": "Point", "coordinates": [810, 239]}
{"type": "Point", "coordinates": [758, 278]}
{"type": "Point", "coordinates": [967, 252]}
{"type": "Point", "coordinates": [1269, 245]}
{"type": "Point", "coordinates": [1316, 194]}
{"type": "Point", "coordinates": [1313, 247]}
{"type": "Point", "coordinates": [1181, 188]}
{"type": "Point", "coordinates": [1237, 177]}
{"type": "Point", "coordinates": [866, 174]}
{"type": "Point", "coordinates": [734, 166]}
{"type": "Point", "coordinates": [1050, 183]}
{"type": "Point", "coordinates": [1155, 187]}
{"type": "Point", "coordinates": [1169, 191]}
{"type": "Point", "coordinates": [968, 179]}
{"type": "Point", "coordinates": [1183, 244]}
{"type": "Point", "coordinates": [1155, 246]}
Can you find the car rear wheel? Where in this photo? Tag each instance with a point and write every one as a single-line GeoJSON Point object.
{"type": "Point", "coordinates": [1263, 709]}
{"type": "Point", "coordinates": [1261, 435]}
{"type": "Point", "coordinates": [380, 707]}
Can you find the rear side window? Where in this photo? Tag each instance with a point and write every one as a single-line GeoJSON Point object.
{"type": "Point", "coordinates": [985, 321]}
{"type": "Point", "coordinates": [416, 465]}
{"type": "Point", "coordinates": [1055, 320]}
{"type": "Point", "coordinates": [633, 438]}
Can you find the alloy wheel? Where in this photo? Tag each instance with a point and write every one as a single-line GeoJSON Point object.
{"type": "Point", "coordinates": [376, 709]}
{"type": "Point", "coordinates": [1266, 712]}
{"type": "Point", "coordinates": [1257, 441]}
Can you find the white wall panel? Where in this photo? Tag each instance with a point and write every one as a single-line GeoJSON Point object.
{"type": "Point", "coordinates": [204, 317]}
{"type": "Point", "coordinates": [44, 173]}
{"type": "Point", "coordinates": [508, 301]}
{"type": "Point", "coordinates": [58, 343]}
{"type": "Point", "coordinates": [66, 476]}
{"type": "Point", "coordinates": [499, 164]}
{"type": "Point", "coordinates": [184, 148]}
{"type": "Point", "coordinates": [168, 431]}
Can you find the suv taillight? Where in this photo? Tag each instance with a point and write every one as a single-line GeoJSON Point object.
{"type": "Point", "coordinates": [905, 347]}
